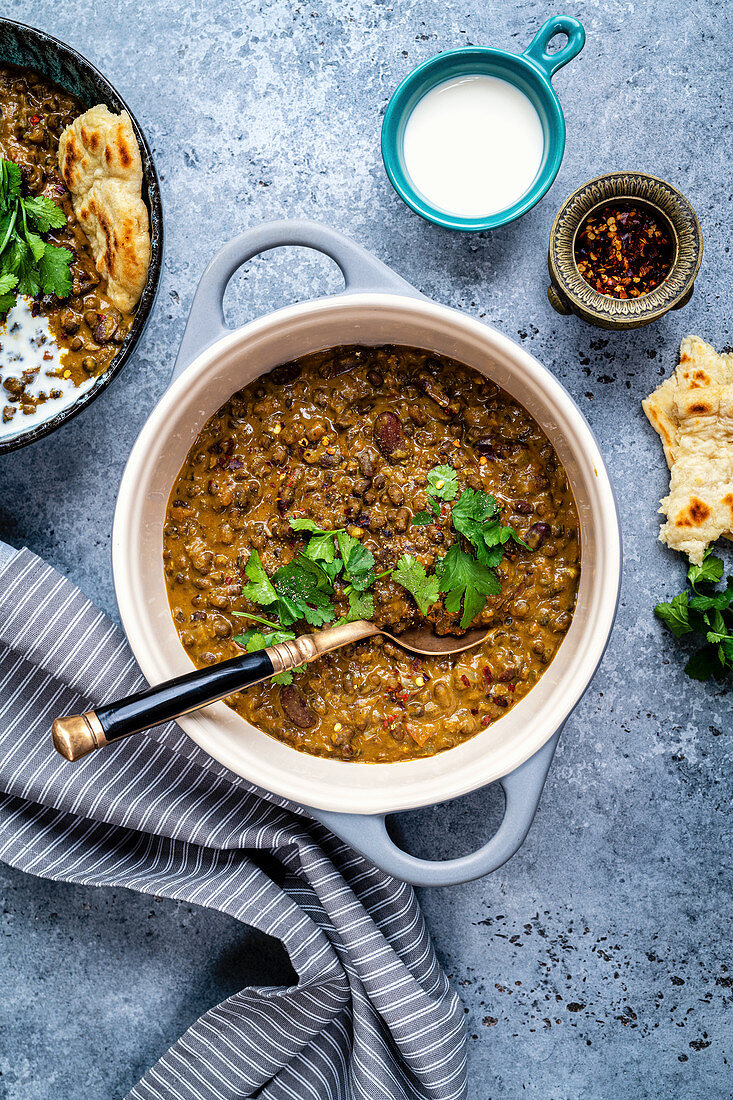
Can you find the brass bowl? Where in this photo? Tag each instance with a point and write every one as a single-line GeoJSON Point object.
{"type": "Point", "coordinates": [570, 293]}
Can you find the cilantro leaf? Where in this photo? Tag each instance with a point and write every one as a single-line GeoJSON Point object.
{"type": "Point", "coordinates": [37, 265]}
{"type": "Point", "coordinates": [358, 561]}
{"type": "Point", "coordinates": [259, 590]}
{"type": "Point", "coordinates": [411, 574]}
{"type": "Point", "coordinates": [303, 592]}
{"type": "Point", "coordinates": [53, 268]}
{"type": "Point", "coordinates": [302, 523]}
{"type": "Point", "coordinates": [476, 516]}
{"type": "Point", "coordinates": [36, 245]}
{"type": "Point", "coordinates": [461, 577]}
{"type": "Point", "coordinates": [702, 664]}
{"type": "Point", "coordinates": [709, 614]}
{"type": "Point", "coordinates": [255, 640]}
{"type": "Point", "coordinates": [443, 482]}
{"type": "Point", "coordinates": [361, 606]}
{"type": "Point", "coordinates": [44, 212]}
{"type": "Point", "coordinates": [721, 600]}
{"type": "Point", "coordinates": [718, 631]}
{"type": "Point", "coordinates": [19, 261]}
{"type": "Point", "coordinates": [709, 572]}
{"type": "Point", "coordinates": [7, 297]}
{"type": "Point", "coordinates": [422, 519]}
{"type": "Point", "coordinates": [321, 547]}
{"type": "Point", "coordinates": [676, 615]}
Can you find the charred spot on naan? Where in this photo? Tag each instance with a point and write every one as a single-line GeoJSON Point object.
{"type": "Point", "coordinates": [694, 515]}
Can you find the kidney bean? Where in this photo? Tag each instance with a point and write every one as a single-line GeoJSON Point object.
{"type": "Point", "coordinates": [537, 534]}
{"type": "Point", "coordinates": [296, 709]}
{"type": "Point", "coordinates": [288, 372]}
{"type": "Point", "coordinates": [388, 432]}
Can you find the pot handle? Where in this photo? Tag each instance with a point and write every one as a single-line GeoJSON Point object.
{"type": "Point", "coordinates": [549, 63]}
{"type": "Point", "coordinates": [361, 271]}
{"type": "Point", "coordinates": [367, 833]}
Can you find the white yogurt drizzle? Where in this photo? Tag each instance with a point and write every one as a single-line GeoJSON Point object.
{"type": "Point", "coordinates": [27, 342]}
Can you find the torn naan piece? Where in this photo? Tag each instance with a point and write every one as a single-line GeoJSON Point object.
{"type": "Point", "coordinates": [100, 163]}
{"type": "Point", "coordinates": [660, 411]}
{"type": "Point", "coordinates": [693, 414]}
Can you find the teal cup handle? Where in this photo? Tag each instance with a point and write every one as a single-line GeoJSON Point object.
{"type": "Point", "coordinates": [549, 63]}
{"type": "Point", "coordinates": [530, 72]}
{"type": "Point", "coordinates": [367, 833]}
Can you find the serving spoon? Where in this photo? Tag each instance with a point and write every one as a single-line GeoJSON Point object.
{"type": "Point", "coordinates": [76, 735]}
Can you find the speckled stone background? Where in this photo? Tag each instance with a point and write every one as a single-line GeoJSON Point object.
{"type": "Point", "coordinates": [597, 963]}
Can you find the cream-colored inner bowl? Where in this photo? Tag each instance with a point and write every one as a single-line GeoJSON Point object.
{"type": "Point", "coordinates": [161, 449]}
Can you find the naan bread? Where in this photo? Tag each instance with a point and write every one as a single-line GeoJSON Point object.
{"type": "Point", "coordinates": [693, 413]}
{"type": "Point", "coordinates": [100, 163]}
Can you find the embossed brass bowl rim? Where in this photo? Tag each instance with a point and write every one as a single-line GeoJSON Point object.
{"type": "Point", "coordinates": [571, 293]}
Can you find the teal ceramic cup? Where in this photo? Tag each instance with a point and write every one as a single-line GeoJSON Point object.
{"type": "Point", "coordinates": [531, 72]}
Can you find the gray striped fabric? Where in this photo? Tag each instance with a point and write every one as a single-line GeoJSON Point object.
{"type": "Point", "coordinates": [371, 1016]}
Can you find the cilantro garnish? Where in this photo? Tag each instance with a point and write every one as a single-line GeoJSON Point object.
{"type": "Point", "coordinates": [443, 483]}
{"type": "Point", "coordinates": [8, 284]}
{"type": "Point", "coordinates": [410, 573]}
{"type": "Point", "coordinates": [304, 588]}
{"type": "Point", "coordinates": [358, 561]}
{"type": "Point", "coordinates": [676, 614]}
{"type": "Point", "coordinates": [254, 640]}
{"type": "Point", "coordinates": [259, 590]}
{"type": "Point", "coordinates": [709, 572]}
{"type": "Point", "coordinates": [28, 264]}
{"type": "Point", "coordinates": [299, 590]}
{"type": "Point", "coordinates": [303, 591]}
{"type": "Point", "coordinates": [707, 613]}
{"type": "Point", "coordinates": [361, 606]}
{"type": "Point", "coordinates": [302, 523]}
{"type": "Point", "coordinates": [476, 516]}
{"type": "Point", "coordinates": [462, 577]}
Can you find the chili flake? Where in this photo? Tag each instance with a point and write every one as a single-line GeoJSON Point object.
{"type": "Point", "coordinates": [624, 250]}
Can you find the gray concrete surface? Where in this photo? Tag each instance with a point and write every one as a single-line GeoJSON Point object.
{"type": "Point", "coordinates": [597, 962]}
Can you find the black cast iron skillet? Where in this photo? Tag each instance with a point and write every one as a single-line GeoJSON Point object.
{"type": "Point", "coordinates": [33, 49]}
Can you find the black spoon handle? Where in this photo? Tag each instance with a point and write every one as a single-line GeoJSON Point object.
{"type": "Point", "coordinates": [75, 735]}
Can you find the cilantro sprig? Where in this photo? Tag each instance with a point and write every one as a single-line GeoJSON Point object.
{"type": "Point", "coordinates": [304, 588]}
{"type": "Point", "coordinates": [28, 264]}
{"type": "Point", "coordinates": [476, 516]}
{"type": "Point", "coordinates": [708, 613]}
{"type": "Point", "coordinates": [411, 574]}
{"type": "Point", "coordinates": [442, 485]}
{"type": "Point", "coordinates": [462, 578]}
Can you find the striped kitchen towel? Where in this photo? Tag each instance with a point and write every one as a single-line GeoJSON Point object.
{"type": "Point", "coordinates": [371, 1017]}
